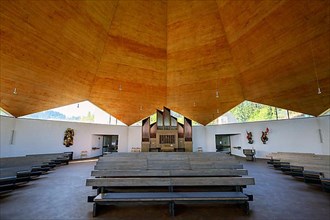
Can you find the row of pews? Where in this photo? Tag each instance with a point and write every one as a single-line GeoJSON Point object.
{"type": "Point", "coordinates": [310, 167]}
{"type": "Point", "coordinates": [169, 178]}
{"type": "Point", "coordinates": [17, 171]}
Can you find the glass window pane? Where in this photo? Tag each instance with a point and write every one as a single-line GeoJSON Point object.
{"type": "Point", "coordinates": [79, 112]}
{"type": "Point", "coordinates": [250, 111]}
{"type": "Point", "coordinates": [5, 113]}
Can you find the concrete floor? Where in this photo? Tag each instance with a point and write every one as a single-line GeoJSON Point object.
{"type": "Point", "coordinates": [62, 194]}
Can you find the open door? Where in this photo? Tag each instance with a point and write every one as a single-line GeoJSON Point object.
{"type": "Point", "coordinates": [222, 143]}
{"type": "Point", "coordinates": [110, 143]}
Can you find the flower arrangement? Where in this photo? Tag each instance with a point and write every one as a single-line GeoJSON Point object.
{"type": "Point", "coordinates": [264, 137]}
{"type": "Point", "coordinates": [68, 137]}
{"type": "Point", "coordinates": [249, 137]}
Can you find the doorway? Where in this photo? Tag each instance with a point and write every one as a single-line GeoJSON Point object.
{"type": "Point", "coordinates": [110, 143]}
{"type": "Point", "coordinates": [222, 143]}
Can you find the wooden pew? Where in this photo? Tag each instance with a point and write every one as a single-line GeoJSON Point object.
{"type": "Point", "coordinates": [171, 160]}
{"type": "Point", "coordinates": [16, 171]}
{"type": "Point", "coordinates": [171, 198]}
{"type": "Point", "coordinates": [7, 184]}
{"type": "Point", "coordinates": [201, 177]}
{"type": "Point", "coordinates": [171, 183]}
{"type": "Point", "coordinates": [309, 166]}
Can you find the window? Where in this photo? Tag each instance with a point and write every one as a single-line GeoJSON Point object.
{"type": "Point", "coordinates": [5, 113]}
{"type": "Point", "coordinates": [79, 112]}
{"type": "Point", "coordinates": [250, 111]}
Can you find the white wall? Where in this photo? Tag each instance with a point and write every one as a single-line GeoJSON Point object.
{"type": "Point", "coordinates": [134, 137]}
{"type": "Point", "coordinates": [198, 138]}
{"type": "Point", "coordinates": [295, 135]}
{"type": "Point", "coordinates": [40, 136]}
{"type": "Point", "coordinates": [324, 125]}
{"type": "Point", "coordinates": [236, 141]}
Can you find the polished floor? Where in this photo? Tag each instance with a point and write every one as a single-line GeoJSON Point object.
{"type": "Point", "coordinates": [62, 195]}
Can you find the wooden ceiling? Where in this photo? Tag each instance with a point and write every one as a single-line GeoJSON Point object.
{"type": "Point", "coordinates": [133, 57]}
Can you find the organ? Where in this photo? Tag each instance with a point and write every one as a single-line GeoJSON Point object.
{"type": "Point", "coordinates": [166, 134]}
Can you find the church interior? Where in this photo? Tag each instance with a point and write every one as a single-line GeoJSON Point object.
{"type": "Point", "coordinates": [211, 109]}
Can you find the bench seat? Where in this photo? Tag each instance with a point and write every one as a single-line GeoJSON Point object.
{"type": "Point", "coordinates": [171, 198]}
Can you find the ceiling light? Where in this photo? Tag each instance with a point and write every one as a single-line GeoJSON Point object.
{"type": "Point", "coordinates": [120, 87]}
{"type": "Point", "coordinates": [15, 91]}
{"type": "Point", "coordinates": [217, 94]}
{"type": "Point", "coordinates": [315, 72]}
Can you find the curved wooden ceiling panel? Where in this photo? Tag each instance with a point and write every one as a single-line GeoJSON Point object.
{"type": "Point", "coordinates": [275, 51]}
{"type": "Point", "coordinates": [132, 57]}
{"type": "Point", "coordinates": [131, 77]}
{"type": "Point", "coordinates": [49, 53]}
{"type": "Point", "coordinates": [199, 62]}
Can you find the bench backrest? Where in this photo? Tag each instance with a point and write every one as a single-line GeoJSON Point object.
{"type": "Point", "coordinates": [165, 166]}
{"type": "Point", "coordinates": [167, 161]}
{"type": "Point", "coordinates": [168, 173]}
{"type": "Point", "coordinates": [170, 181]}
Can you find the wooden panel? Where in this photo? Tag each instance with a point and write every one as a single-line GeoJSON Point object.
{"type": "Point", "coordinates": [122, 165]}
{"type": "Point", "coordinates": [129, 182]}
{"type": "Point", "coordinates": [174, 181]}
{"type": "Point", "coordinates": [168, 164]}
{"type": "Point", "coordinates": [199, 62]}
{"type": "Point", "coordinates": [159, 173]}
{"type": "Point", "coordinates": [187, 129]}
{"type": "Point", "coordinates": [49, 53]}
{"type": "Point", "coordinates": [167, 118]}
{"type": "Point", "coordinates": [212, 181]}
{"type": "Point", "coordinates": [134, 59]}
{"type": "Point", "coordinates": [275, 45]}
{"type": "Point", "coordinates": [294, 86]}
{"type": "Point", "coordinates": [209, 172]}
{"type": "Point", "coordinates": [240, 16]}
{"type": "Point", "coordinates": [160, 120]}
{"type": "Point", "coordinates": [145, 130]}
{"type": "Point", "coordinates": [170, 196]}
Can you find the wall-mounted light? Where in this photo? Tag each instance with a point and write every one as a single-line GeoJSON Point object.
{"type": "Point", "coordinates": [15, 91]}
